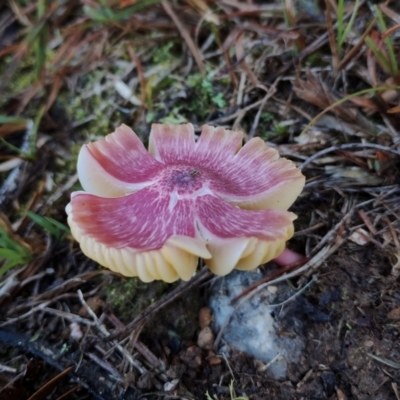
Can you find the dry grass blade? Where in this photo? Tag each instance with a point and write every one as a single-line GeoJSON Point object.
{"type": "Point", "coordinates": [310, 49]}
{"type": "Point", "coordinates": [353, 51]}
{"type": "Point", "coordinates": [332, 37]}
{"type": "Point", "coordinates": [347, 98]}
{"type": "Point", "coordinates": [68, 393]}
{"type": "Point", "coordinates": [316, 92]}
{"type": "Point", "coordinates": [15, 341]}
{"type": "Point", "coordinates": [9, 129]}
{"type": "Point", "coordinates": [394, 110]}
{"type": "Point", "coordinates": [189, 41]}
{"type": "Point", "coordinates": [25, 45]}
{"type": "Point", "coordinates": [46, 389]}
{"type": "Point", "coordinates": [384, 361]}
{"type": "Point", "coordinates": [142, 79]}
{"type": "Point", "coordinates": [241, 56]}
{"type": "Point", "coordinates": [395, 16]}
{"type": "Point", "coordinates": [347, 146]}
{"type": "Point", "coordinates": [205, 11]}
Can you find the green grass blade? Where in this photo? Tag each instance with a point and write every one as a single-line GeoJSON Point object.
{"type": "Point", "coordinates": [6, 242]}
{"type": "Point", "coordinates": [349, 26]}
{"type": "Point", "coordinates": [33, 135]}
{"type": "Point", "coordinates": [41, 46]}
{"type": "Point", "coordinates": [14, 148]}
{"type": "Point", "coordinates": [140, 5]}
{"type": "Point", "coordinates": [340, 20]}
{"type": "Point", "coordinates": [394, 69]}
{"type": "Point", "coordinates": [5, 119]}
{"type": "Point", "coordinates": [55, 228]}
{"type": "Point", "coordinates": [14, 258]}
{"type": "Point", "coordinates": [379, 55]}
{"type": "Point", "coordinates": [106, 14]}
{"type": "Point", "coordinates": [381, 20]}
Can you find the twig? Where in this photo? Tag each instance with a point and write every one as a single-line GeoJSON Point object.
{"type": "Point", "coordinates": [235, 114]}
{"type": "Point", "coordinates": [270, 93]}
{"type": "Point", "coordinates": [26, 315]}
{"type": "Point", "coordinates": [68, 316]}
{"type": "Point", "coordinates": [321, 41]}
{"type": "Point", "coordinates": [14, 177]}
{"type": "Point", "coordinates": [303, 55]}
{"type": "Point", "coordinates": [16, 340]}
{"type": "Point", "coordinates": [266, 366]}
{"type": "Point", "coordinates": [350, 55]}
{"type": "Point", "coordinates": [106, 366]}
{"type": "Point", "coordinates": [329, 236]}
{"type": "Point", "coordinates": [348, 146]}
{"type": "Point", "coordinates": [99, 325]}
{"type": "Point", "coordinates": [228, 365]}
{"type": "Point", "coordinates": [273, 275]}
{"type": "Point", "coordinates": [105, 332]}
{"type": "Point", "coordinates": [5, 368]}
{"type": "Point", "coordinates": [189, 41]}
{"type": "Point", "coordinates": [309, 229]}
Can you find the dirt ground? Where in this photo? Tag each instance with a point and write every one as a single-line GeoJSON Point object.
{"type": "Point", "coordinates": [350, 319]}
{"type": "Point", "coordinates": [317, 81]}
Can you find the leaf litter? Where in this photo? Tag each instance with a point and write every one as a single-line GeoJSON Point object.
{"type": "Point", "coordinates": [319, 81]}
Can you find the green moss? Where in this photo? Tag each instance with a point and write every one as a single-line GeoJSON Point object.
{"type": "Point", "coordinates": [205, 94]}
{"type": "Point", "coordinates": [315, 60]}
{"type": "Point", "coordinates": [128, 296]}
{"type": "Point", "coordinates": [163, 54]}
{"type": "Point", "coordinates": [22, 78]}
{"type": "Point", "coordinates": [80, 107]}
{"type": "Point", "coordinates": [67, 166]}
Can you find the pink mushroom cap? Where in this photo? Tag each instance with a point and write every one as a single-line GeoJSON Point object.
{"type": "Point", "coordinates": [153, 213]}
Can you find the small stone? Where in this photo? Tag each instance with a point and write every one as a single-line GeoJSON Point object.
{"type": "Point", "coordinates": [65, 333]}
{"type": "Point", "coordinates": [328, 382]}
{"type": "Point", "coordinates": [75, 331]}
{"type": "Point", "coordinates": [145, 382]}
{"type": "Point", "coordinates": [170, 386]}
{"type": "Point", "coordinates": [205, 317]}
{"type": "Point", "coordinates": [368, 343]}
{"type": "Point", "coordinates": [192, 357]}
{"type": "Point", "coordinates": [130, 379]}
{"type": "Point", "coordinates": [176, 371]}
{"type": "Point", "coordinates": [394, 314]}
{"type": "Point", "coordinates": [360, 237]}
{"type": "Point", "coordinates": [205, 340]}
{"type": "Point", "coordinates": [340, 395]}
{"type": "Point", "coordinates": [95, 303]}
{"type": "Point", "coordinates": [272, 289]}
{"type": "Point", "coordinates": [357, 358]}
{"type": "Point", "coordinates": [213, 359]}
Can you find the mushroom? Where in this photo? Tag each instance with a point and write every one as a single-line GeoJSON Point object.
{"type": "Point", "coordinates": [153, 214]}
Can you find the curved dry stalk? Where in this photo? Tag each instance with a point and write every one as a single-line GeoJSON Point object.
{"type": "Point", "coordinates": [348, 146]}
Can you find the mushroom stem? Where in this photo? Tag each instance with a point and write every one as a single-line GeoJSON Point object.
{"type": "Point", "coordinates": [288, 257]}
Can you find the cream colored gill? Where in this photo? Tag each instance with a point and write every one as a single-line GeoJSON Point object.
{"type": "Point", "coordinates": [243, 253]}
{"type": "Point", "coordinates": [226, 253]}
{"type": "Point", "coordinates": [177, 258]}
